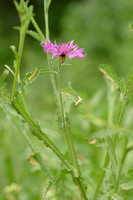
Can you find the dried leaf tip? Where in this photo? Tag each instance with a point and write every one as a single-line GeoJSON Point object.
{"type": "Point", "coordinates": [79, 101]}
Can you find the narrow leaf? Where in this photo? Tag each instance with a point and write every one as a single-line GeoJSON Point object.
{"type": "Point", "coordinates": [104, 133]}
{"type": "Point", "coordinates": [26, 18]}
{"type": "Point", "coordinates": [111, 75]}
{"type": "Point", "coordinates": [33, 34]}
{"type": "Point", "coordinates": [28, 79]}
{"type": "Point", "coordinates": [7, 67]}
{"type": "Point", "coordinates": [58, 176]}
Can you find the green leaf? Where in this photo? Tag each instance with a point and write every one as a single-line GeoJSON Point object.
{"type": "Point", "coordinates": [127, 180]}
{"type": "Point", "coordinates": [24, 13]}
{"type": "Point", "coordinates": [28, 79]}
{"type": "Point", "coordinates": [33, 34]}
{"type": "Point", "coordinates": [47, 4]}
{"type": "Point", "coordinates": [33, 125]}
{"type": "Point", "coordinates": [18, 122]}
{"type": "Point", "coordinates": [71, 94]}
{"type": "Point", "coordinates": [9, 69]}
{"type": "Point", "coordinates": [111, 75]}
{"type": "Point", "coordinates": [27, 16]}
{"type": "Point", "coordinates": [36, 130]}
{"type": "Point", "coordinates": [58, 176]}
{"type": "Point", "coordinates": [98, 138]}
{"type": "Point", "coordinates": [127, 186]}
{"type": "Point", "coordinates": [104, 133]}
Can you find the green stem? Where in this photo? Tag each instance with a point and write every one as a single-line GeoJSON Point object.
{"type": "Point", "coordinates": [46, 19]}
{"type": "Point", "coordinates": [66, 131]}
{"type": "Point", "coordinates": [17, 67]}
{"type": "Point", "coordinates": [69, 142]}
{"type": "Point", "coordinates": [41, 135]}
{"type": "Point", "coordinates": [38, 29]}
{"type": "Point", "coordinates": [48, 57]}
{"type": "Point", "coordinates": [59, 101]}
{"type": "Point", "coordinates": [18, 60]}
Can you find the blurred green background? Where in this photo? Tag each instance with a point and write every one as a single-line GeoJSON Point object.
{"type": "Point", "coordinates": [101, 27]}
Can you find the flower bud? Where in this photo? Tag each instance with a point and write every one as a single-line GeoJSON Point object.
{"type": "Point", "coordinates": [61, 58]}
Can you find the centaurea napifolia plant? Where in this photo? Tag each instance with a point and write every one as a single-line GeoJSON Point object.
{"type": "Point", "coordinates": [114, 135]}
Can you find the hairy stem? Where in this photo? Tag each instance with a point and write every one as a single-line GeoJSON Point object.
{"type": "Point", "coordinates": [69, 142]}
{"type": "Point", "coordinates": [48, 57]}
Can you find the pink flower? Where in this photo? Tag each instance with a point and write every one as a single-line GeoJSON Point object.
{"type": "Point", "coordinates": [64, 49]}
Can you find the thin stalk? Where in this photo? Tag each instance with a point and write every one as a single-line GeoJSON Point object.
{"type": "Point", "coordinates": [66, 131]}
{"type": "Point", "coordinates": [46, 19]}
{"type": "Point", "coordinates": [38, 29]}
{"type": "Point", "coordinates": [17, 67]}
{"type": "Point", "coordinates": [52, 78]}
{"type": "Point", "coordinates": [18, 60]}
{"type": "Point", "coordinates": [122, 110]}
{"type": "Point", "coordinates": [69, 142]}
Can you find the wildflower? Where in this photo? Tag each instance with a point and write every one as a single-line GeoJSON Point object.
{"type": "Point", "coordinates": [63, 50]}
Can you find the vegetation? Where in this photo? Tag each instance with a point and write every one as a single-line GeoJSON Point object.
{"type": "Point", "coordinates": [57, 143]}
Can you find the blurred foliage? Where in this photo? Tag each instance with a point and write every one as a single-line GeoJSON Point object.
{"type": "Point", "coordinates": [101, 27]}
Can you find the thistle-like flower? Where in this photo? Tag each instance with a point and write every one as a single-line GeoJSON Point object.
{"type": "Point", "coordinates": [63, 50]}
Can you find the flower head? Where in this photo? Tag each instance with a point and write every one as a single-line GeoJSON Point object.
{"type": "Point", "coordinates": [62, 50]}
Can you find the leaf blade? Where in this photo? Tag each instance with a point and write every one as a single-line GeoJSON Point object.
{"type": "Point", "coordinates": [110, 74]}
{"type": "Point", "coordinates": [58, 176]}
